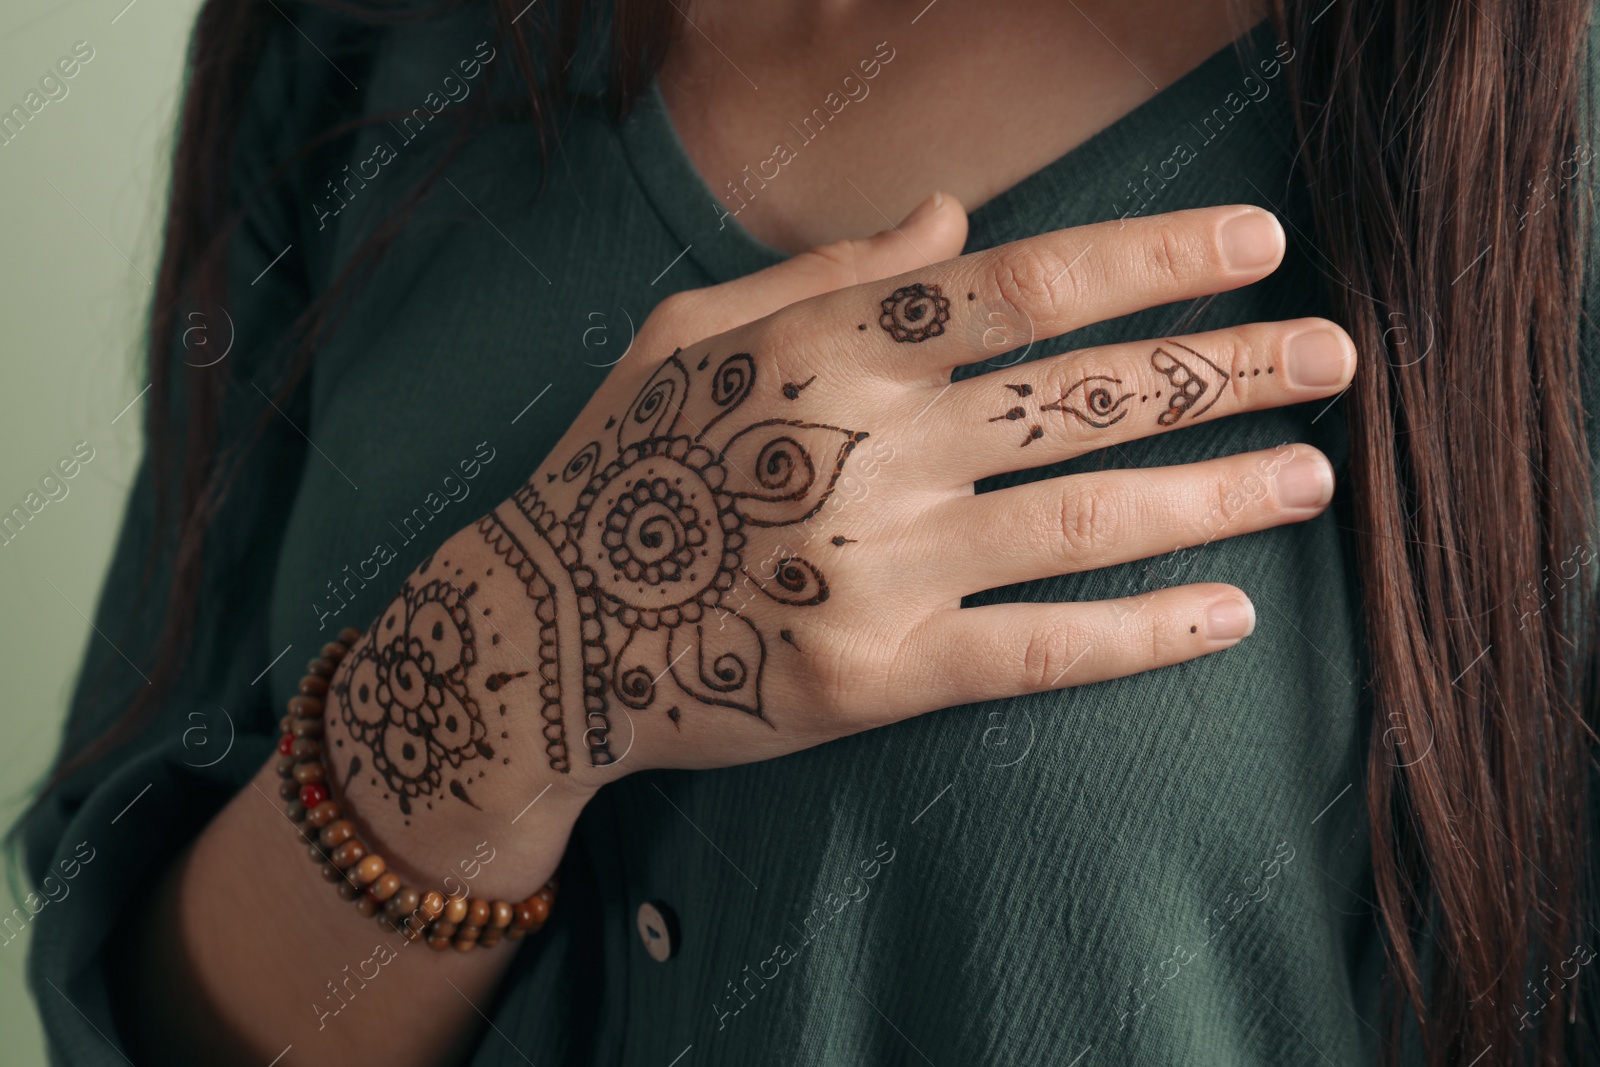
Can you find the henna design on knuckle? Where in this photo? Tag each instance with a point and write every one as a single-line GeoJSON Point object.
{"type": "Point", "coordinates": [631, 584]}
{"type": "Point", "coordinates": [913, 313]}
{"type": "Point", "coordinates": [792, 391]}
{"type": "Point", "coordinates": [1018, 412]}
{"type": "Point", "coordinates": [1097, 401]}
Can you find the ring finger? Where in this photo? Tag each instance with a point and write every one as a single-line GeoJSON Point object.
{"type": "Point", "coordinates": [1084, 522]}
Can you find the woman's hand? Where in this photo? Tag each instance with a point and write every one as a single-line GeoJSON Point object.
{"type": "Point", "coordinates": [757, 542]}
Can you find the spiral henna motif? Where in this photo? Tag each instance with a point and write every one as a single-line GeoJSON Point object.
{"type": "Point", "coordinates": [634, 587]}
{"type": "Point", "coordinates": [914, 313]}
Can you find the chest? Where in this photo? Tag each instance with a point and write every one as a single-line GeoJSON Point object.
{"type": "Point", "coordinates": [832, 124]}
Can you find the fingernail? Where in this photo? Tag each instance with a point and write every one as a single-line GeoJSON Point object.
{"type": "Point", "coordinates": [1232, 618]}
{"type": "Point", "coordinates": [1304, 482]}
{"type": "Point", "coordinates": [923, 210]}
{"type": "Point", "coordinates": [1317, 359]}
{"type": "Point", "coordinates": [1251, 241]}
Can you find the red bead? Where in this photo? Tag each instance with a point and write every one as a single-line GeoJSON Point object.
{"type": "Point", "coordinates": [284, 744]}
{"type": "Point", "coordinates": [312, 795]}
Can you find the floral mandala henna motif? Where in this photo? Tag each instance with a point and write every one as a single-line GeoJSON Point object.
{"type": "Point", "coordinates": [634, 570]}
{"type": "Point", "coordinates": [405, 696]}
{"type": "Point", "coordinates": [914, 313]}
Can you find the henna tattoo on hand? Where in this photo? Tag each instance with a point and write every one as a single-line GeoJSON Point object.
{"type": "Point", "coordinates": [1097, 401]}
{"type": "Point", "coordinates": [1191, 380]}
{"type": "Point", "coordinates": [404, 694]}
{"type": "Point", "coordinates": [792, 391]}
{"type": "Point", "coordinates": [629, 584]}
{"type": "Point", "coordinates": [1100, 401]}
{"type": "Point", "coordinates": [913, 313]}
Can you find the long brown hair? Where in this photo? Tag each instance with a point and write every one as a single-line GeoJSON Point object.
{"type": "Point", "coordinates": [1441, 142]}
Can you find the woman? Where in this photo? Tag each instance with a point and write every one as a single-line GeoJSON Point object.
{"type": "Point", "coordinates": [750, 529]}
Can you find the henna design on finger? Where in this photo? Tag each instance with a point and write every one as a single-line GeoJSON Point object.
{"type": "Point", "coordinates": [1097, 401]}
{"type": "Point", "coordinates": [1014, 414]}
{"type": "Point", "coordinates": [841, 541]}
{"type": "Point", "coordinates": [1191, 380]}
{"type": "Point", "coordinates": [913, 313]}
{"type": "Point", "coordinates": [789, 638]}
{"type": "Point", "coordinates": [631, 585]}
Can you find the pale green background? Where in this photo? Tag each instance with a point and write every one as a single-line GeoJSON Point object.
{"type": "Point", "coordinates": [70, 312]}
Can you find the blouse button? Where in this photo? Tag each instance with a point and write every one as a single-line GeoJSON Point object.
{"type": "Point", "coordinates": [658, 929]}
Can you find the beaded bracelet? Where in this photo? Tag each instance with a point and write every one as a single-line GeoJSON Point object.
{"type": "Point", "coordinates": [362, 875]}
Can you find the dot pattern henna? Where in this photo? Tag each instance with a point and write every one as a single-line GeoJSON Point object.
{"type": "Point", "coordinates": [630, 578]}
{"type": "Point", "coordinates": [913, 313]}
{"type": "Point", "coordinates": [404, 695]}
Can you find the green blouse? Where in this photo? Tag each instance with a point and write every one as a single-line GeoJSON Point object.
{"type": "Point", "coordinates": [1168, 868]}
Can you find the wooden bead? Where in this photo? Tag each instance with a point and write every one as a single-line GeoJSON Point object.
{"type": "Point", "coordinates": [515, 932]}
{"type": "Point", "coordinates": [295, 810]}
{"type": "Point", "coordinates": [348, 854]}
{"type": "Point", "coordinates": [304, 748]}
{"type": "Point", "coordinates": [539, 908]}
{"type": "Point", "coordinates": [478, 912]}
{"type": "Point", "coordinates": [286, 742]}
{"type": "Point", "coordinates": [337, 833]}
{"type": "Point", "coordinates": [367, 871]}
{"type": "Point", "coordinates": [439, 944]}
{"type": "Point", "coordinates": [411, 933]}
{"type": "Point", "coordinates": [403, 903]}
{"type": "Point", "coordinates": [317, 853]}
{"type": "Point", "coordinates": [547, 895]}
{"type": "Point", "coordinates": [323, 814]}
{"type": "Point", "coordinates": [366, 906]}
{"type": "Point", "coordinates": [313, 794]}
{"type": "Point", "coordinates": [310, 772]}
{"type": "Point", "coordinates": [322, 668]}
{"type": "Point", "coordinates": [463, 942]}
{"type": "Point", "coordinates": [289, 789]}
{"type": "Point", "coordinates": [500, 915]}
{"type": "Point", "coordinates": [384, 886]}
{"type": "Point", "coordinates": [300, 727]}
{"type": "Point", "coordinates": [348, 890]}
{"type": "Point", "coordinates": [331, 874]}
{"type": "Point", "coordinates": [284, 765]}
{"type": "Point", "coordinates": [522, 915]}
{"type": "Point", "coordinates": [349, 635]}
{"type": "Point", "coordinates": [455, 910]}
{"type": "Point", "coordinates": [432, 904]}
{"type": "Point", "coordinates": [490, 938]}
{"type": "Point", "coordinates": [445, 930]}
{"type": "Point", "coordinates": [312, 686]}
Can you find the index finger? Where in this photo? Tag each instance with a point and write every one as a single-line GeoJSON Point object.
{"type": "Point", "coordinates": [1052, 284]}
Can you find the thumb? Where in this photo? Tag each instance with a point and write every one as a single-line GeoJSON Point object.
{"type": "Point", "coordinates": [935, 230]}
